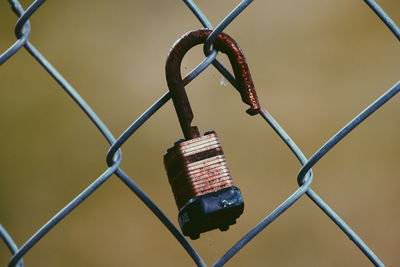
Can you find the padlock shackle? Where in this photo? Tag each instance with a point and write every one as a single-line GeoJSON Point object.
{"type": "Point", "coordinates": [224, 43]}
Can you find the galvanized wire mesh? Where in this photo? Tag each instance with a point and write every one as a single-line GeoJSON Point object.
{"type": "Point", "coordinates": [113, 157]}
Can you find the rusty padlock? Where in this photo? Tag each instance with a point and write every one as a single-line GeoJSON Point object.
{"type": "Point", "coordinates": [197, 172]}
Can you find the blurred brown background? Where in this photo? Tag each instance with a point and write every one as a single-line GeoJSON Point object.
{"type": "Point", "coordinates": [316, 64]}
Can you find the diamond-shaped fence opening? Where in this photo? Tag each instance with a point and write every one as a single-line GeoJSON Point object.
{"type": "Point", "coordinates": [315, 65]}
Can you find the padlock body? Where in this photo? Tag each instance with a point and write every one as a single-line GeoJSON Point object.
{"type": "Point", "coordinates": [202, 185]}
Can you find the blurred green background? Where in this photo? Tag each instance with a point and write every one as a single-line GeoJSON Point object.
{"type": "Point", "coordinates": [315, 64]}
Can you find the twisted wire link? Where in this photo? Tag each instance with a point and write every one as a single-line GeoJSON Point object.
{"type": "Point", "coordinates": [22, 28]}
{"type": "Point", "coordinates": [304, 185]}
{"type": "Point", "coordinates": [17, 256]}
{"type": "Point", "coordinates": [8, 240]}
{"type": "Point", "coordinates": [114, 155]}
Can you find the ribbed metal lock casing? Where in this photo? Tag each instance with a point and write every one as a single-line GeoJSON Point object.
{"type": "Point", "coordinates": [196, 167]}
{"type": "Point", "coordinates": [202, 185]}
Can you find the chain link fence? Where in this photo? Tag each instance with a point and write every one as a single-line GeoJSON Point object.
{"type": "Point", "coordinates": [114, 155]}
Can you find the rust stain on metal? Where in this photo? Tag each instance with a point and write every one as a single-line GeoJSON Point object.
{"type": "Point", "coordinates": [196, 167]}
{"type": "Point", "coordinates": [223, 43]}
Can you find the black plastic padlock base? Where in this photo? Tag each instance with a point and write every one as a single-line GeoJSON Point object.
{"type": "Point", "coordinates": [217, 210]}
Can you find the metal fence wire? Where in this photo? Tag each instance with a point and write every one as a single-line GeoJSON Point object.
{"type": "Point", "coordinates": [113, 157]}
